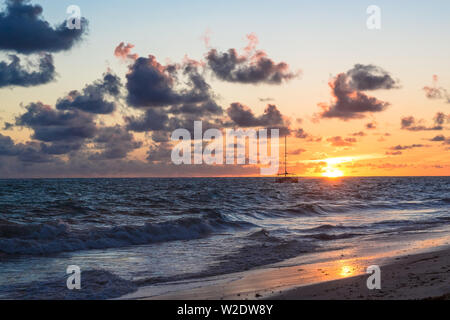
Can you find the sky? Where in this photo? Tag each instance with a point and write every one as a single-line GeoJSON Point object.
{"type": "Point", "coordinates": [353, 101]}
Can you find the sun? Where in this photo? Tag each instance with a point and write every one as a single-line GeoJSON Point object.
{"type": "Point", "coordinates": [331, 172]}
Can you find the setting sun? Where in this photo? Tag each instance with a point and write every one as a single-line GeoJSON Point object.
{"type": "Point", "coordinates": [331, 172]}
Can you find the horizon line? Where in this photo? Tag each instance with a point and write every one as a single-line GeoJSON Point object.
{"type": "Point", "coordinates": [221, 177]}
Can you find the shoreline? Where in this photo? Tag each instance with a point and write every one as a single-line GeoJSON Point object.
{"type": "Point", "coordinates": [412, 277]}
{"type": "Point", "coordinates": [418, 272]}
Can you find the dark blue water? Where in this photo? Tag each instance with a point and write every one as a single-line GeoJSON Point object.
{"type": "Point", "coordinates": [129, 232]}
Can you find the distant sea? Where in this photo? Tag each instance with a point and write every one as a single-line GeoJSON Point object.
{"type": "Point", "coordinates": [125, 233]}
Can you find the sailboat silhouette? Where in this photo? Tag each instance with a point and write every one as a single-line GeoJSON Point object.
{"type": "Point", "coordinates": [285, 176]}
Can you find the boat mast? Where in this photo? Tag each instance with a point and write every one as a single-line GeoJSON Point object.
{"type": "Point", "coordinates": [285, 156]}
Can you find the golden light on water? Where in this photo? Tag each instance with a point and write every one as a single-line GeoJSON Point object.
{"type": "Point", "coordinates": [346, 271]}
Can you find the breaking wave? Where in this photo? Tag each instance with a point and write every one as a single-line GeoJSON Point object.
{"type": "Point", "coordinates": [48, 238]}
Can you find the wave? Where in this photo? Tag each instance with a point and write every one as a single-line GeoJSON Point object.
{"type": "Point", "coordinates": [331, 227]}
{"type": "Point", "coordinates": [320, 208]}
{"type": "Point", "coordinates": [48, 238]}
{"type": "Point", "coordinates": [328, 237]}
{"type": "Point", "coordinates": [307, 209]}
{"type": "Point", "coordinates": [96, 284]}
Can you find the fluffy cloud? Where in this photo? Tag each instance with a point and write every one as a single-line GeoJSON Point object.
{"type": "Point", "coordinates": [253, 66]}
{"type": "Point", "coordinates": [348, 103]}
{"type": "Point", "coordinates": [71, 126]}
{"type": "Point", "coordinates": [410, 123]}
{"type": "Point", "coordinates": [13, 74]}
{"type": "Point", "coordinates": [370, 77]}
{"type": "Point", "coordinates": [151, 84]}
{"type": "Point", "coordinates": [151, 120]}
{"type": "Point", "coordinates": [29, 152]}
{"type": "Point", "coordinates": [23, 30]}
{"type": "Point", "coordinates": [301, 134]}
{"type": "Point", "coordinates": [115, 143]}
{"type": "Point", "coordinates": [123, 51]}
{"type": "Point", "coordinates": [243, 116]}
{"type": "Point", "coordinates": [92, 98]}
{"type": "Point", "coordinates": [50, 125]}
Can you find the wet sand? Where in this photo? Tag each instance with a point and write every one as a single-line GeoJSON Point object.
{"type": "Point", "coordinates": [421, 276]}
{"type": "Point", "coordinates": [337, 275]}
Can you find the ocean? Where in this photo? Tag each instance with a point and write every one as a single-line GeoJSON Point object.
{"type": "Point", "coordinates": [127, 233]}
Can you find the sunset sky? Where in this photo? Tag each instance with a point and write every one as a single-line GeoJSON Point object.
{"type": "Point", "coordinates": [354, 101]}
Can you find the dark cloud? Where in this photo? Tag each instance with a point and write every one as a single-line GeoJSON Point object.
{"type": "Point", "coordinates": [411, 124]}
{"type": "Point", "coordinates": [72, 124]}
{"type": "Point", "coordinates": [301, 134]}
{"type": "Point", "coordinates": [173, 96]}
{"type": "Point", "coordinates": [92, 98]}
{"type": "Point", "coordinates": [61, 132]}
{"type": "Point", "coordinates": [370, 77]}
{"type": "Point", "coordinates": [435, 91]}
{"type": "Point", "coordinates": [115, 143]}
{"type": "Point", "coordinates": [407, 147]}
{"type": "Point", "coordinates": [8, 125]}
{"type": "Point", "coordinates": [23, 30]}
{"type": "Point", "coordinates": [371, 125]}
{"type": "Point", "coordinates": [161, 123]}
{"type": "Point", "coordinates": [206, 108]}
{"type": "Point", "coordinates": [28, 152]}
{"type": "Point", "coordinates": [151, 120]}
{"type": "Point", "coordinates": [358, 134]}
{"type": "Point", "coordinates": [243, 116]}
{"type": "Point", "coordinates": [51, 125]}
{"type": "Point", "coordinates": [253, 66]}
{"type": "Point", "coordinates": [13, 74]}
{"type": "Point", "coordinates": [338, 141]}
{"type": "Point", "coordinates": [60, 147]}
{"type": "Point", "coordinates": [394, 153]}
{"type": "Point", "coordinates": [160, 136]}
{"type": "Point", "coordinates": [67, 131]}
{"type": "Point", "coordinates": [160, 152]}
{"type": "Point", "coordinates": [441, 118]}
{"type": "Point", "coordinates": [314, 139]}
{"type": "Point", "coordinates": [438, 138]}
{"type": "Point", "coordinates": [348, 103]}
{"type": "Point", "coordinates": [297, 151]}
{"type": "Point", "coordinates": [441, 138]}
{"type": "Point", "coordinates": [7, 146]}
{"type": "Point", "coordinates": [151, 84]}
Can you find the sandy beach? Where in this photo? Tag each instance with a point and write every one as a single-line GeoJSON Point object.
{"type": "Point", "coordinates": [421, 276]}
{"type": "Point", "coordinates": [337, 275]}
